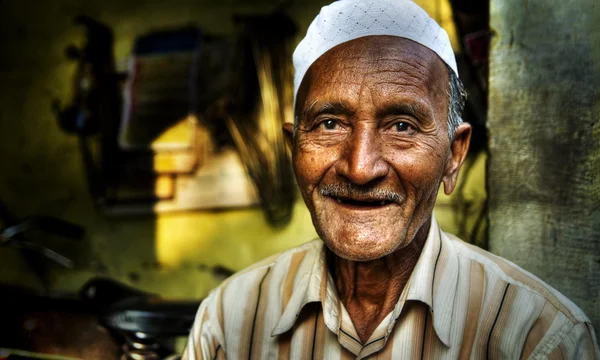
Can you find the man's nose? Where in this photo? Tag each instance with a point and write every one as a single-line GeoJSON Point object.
{"type": "Point", "coordinates": [362, 160]}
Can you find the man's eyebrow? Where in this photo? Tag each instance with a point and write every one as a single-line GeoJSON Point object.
{"type": "Point", "coordinates": [317, 108]}
{"type": "Point", "coordinates": [403, 108]}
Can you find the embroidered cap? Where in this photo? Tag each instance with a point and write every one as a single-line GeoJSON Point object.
{"type": "Point", "coordinates": [346, 20]}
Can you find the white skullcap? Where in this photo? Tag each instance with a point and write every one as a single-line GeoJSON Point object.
{"type": "Point", "coordinates": [347, 20]}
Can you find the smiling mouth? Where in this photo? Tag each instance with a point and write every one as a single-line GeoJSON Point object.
{"type": "Point", "coordinates": [362, 204]}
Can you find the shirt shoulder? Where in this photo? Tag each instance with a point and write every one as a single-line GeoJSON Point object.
{"type": "Point", "coordinates": [311, 248]}
{"type": "Point", "coordinates": [244, 308]}
{"type": "Point", "coordinates": [528, 311]}
{"type": "Point", "coordinates": [513, 274]}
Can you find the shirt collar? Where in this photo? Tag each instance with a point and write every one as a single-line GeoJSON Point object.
{"type": "Point", "coordinates": [433, 282]}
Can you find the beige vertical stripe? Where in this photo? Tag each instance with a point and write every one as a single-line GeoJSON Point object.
{"type": "Point", "coordinates": [259, 323]}
{"type": "Point", "coordinates": [219, 306]}
{"type": "Point", "coordinates": [321, 334]}
{"type": "Point", "coordinates": [500, 326]}
{"type": "Point", "coordinates": [215, 347]}
{"type": "Point", "coordinates": [539, 329]}
{"type": "Point", "coordinates": [473, 309]}
{"type": "Point", "coordinates": [204, 316]}
{"type": "Point", "coordinates": [310, 313]}
{"type": "Point", "coordinates": [346, 354]}
{"type": "Point", "coordinates": [416, 315]}
{"type": "Point", "coordinates": [285, 341]}
{"type": "Point", "coordinates": [247, 324]}
{"type": "Point", "coordinates": [323, 287]}
{"type": "Point", "coordinates": [288, 285]}
{"type": "Point", "coordinates": [429, 340]}
{"type": "Point", "coordinates": [386, 352]}
{"type": "Point", "coordinates": [220, 354]}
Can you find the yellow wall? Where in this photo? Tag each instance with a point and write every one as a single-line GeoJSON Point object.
{"type": "Point", "coordinates": [41, 170]}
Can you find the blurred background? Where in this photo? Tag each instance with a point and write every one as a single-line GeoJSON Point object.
{"type": "Point", "coordinates": [142, 151]}
{"type": "Point", "coordinates": [143, 227]}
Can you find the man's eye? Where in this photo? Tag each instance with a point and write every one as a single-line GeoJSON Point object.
{"type": "Point", "coordinates": [329, 124]}
{"type": "Point", "coordinates": [402, 126]}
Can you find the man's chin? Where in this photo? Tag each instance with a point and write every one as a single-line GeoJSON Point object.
{"type": "Point", "coordinates": [364, 236]}
{"type": "Point", "coordinates": [365, 250]}
{"type": "Point", "coordinates": [357, 257]}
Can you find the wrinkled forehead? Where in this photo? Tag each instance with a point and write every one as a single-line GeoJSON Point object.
{"type": "Point", "coordinates": [385, 63]}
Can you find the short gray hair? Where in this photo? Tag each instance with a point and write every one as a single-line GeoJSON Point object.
{"type": "Point", "coordinates": [457, 96]}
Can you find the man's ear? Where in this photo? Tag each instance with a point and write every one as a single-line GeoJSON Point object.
{"type": "Point", "coordinates": [458, 152]}
{"type": "Point", "coordinates": [288, 133]}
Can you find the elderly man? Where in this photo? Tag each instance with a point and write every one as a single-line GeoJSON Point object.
{"type": "Point", "coordinates": [377, 131]}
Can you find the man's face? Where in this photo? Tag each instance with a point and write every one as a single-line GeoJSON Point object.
{"type": "Point", "coordinates": [372, 146]}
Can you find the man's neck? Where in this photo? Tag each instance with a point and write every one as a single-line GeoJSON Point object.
{"type": "Point", "coordinates": [371, 289]}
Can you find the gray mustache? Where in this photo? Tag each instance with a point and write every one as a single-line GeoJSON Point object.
{"type": "Point", "coordinates": [349, 190]}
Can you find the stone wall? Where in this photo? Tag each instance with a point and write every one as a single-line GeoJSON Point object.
{"type": "Point", "coordinates": [544, 128]}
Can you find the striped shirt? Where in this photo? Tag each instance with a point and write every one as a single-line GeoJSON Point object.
{"type": "Point", "coordinates": [460, 303]}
